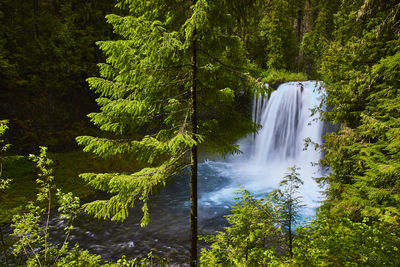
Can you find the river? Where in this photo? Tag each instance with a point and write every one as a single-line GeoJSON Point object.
{"type": "Point", "coordinates": [287, 122]}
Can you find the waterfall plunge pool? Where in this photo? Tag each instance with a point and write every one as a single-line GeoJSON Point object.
{"type": "Point", "coordinates": [286, 120]}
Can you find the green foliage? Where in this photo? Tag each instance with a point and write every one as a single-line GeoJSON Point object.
{"type": "Point", "coordinates": [268, 33]}
{"type": "Point", "coordinates": [32, 236]}
{"type": "Point", "coordinates": [3, 185]}
{"type": "Point", "coordinates": [276, 28]}
{"type": "Point", "coordinates": [288, 197]}
{"type": "Point", "coordinates": [32, 233]}
{"type": "Point", "coordinates": [288, 203]}
{"type": "Point", "coordinates": [314, 42]}
{"type": "Point", "coordinates": [77, 257]}
{"type": "Point", "coordinates": [3, 147]}
{"type": "Point", "coordinates": [67, 167]}
{"type": "Point", "coordinates": [358, 222]}
{"type": "Point", "coordinates": [252, 239]}
{"type": "Point", "coordinates": [46, 51]}
{"type": "Point", "coordinates": [145, 87]}
{"type": "Point", "coordinates": [360, 73]}
{"type": "Point", "coordinates": [147, 261]}
{"type": "Point", "coordinates": [342, 242]}
{"type": "Point", "coordinates": [143, 90]}
{"type": "Point", "coordinates": [258, 228]}
{"type": "Point", "coordinates": [273, 76]}
{"type": "Point", "coordinates": [20, 190]}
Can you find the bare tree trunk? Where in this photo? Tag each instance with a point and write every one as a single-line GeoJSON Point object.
{"type": "Point", "coordinates": [193, 158]}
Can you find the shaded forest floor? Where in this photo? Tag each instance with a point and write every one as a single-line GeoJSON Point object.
{"type": "Point", "coordinates": [66, 170]}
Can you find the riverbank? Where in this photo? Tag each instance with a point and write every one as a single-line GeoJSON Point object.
{"type": "Point", "coordinates": [67, 167]}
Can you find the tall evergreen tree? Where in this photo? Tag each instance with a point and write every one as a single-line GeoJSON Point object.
{"type": "Point", "coordinates": [173, 78]}
{"type": "Point", "coordinates": [288, 201]}
{"type": "Point", "coordinates": [276, 29]}
{"type": "Point", "coordinates": [252, 237]}
{"type": "Point", "coordinates": [46, 51]}
{"type": "Point", "coordinates": [315, 42]}
{"type": "Point", "coordinates": [360, 70]}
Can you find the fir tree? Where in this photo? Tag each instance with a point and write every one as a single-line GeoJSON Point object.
{"type": "Point", "coordinates": [364, 95]}
{"type": "Point", "coordinates": [317, 40]}
{"type": "Point", "coordinates": [289, 204]}
{"type": "Point", "coordinates": [46, 51]}
{"type": "Point", "coordinates": [276, 29]}
{"type": "Point", "coordinates": [173, 78]}
{"type": "Point", "coordinates": [252, 237]}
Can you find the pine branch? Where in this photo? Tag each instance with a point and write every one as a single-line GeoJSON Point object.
{"type": "Point", "coordinates": [231, 68]}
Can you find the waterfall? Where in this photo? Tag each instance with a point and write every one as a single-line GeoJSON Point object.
{"type": "Point", "coordinates": [278, 139]}
{"type": "Point", "coordinates": [287, 120]}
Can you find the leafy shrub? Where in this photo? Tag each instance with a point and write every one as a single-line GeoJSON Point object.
{"type": "Point", "coordinates": [274, 76]}
{"type": "Point", "coordinates": [32, 236]}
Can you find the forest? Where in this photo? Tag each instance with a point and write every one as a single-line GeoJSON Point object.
{"type": "Point", "coordinates": [121, 112]}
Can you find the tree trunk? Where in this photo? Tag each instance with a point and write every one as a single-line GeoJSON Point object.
{"type": "Point", "coordinates": [290, 232]}
{"type": "Point", "coordinates": [193, 158]}
{"type": "Point", "coordinates": [35, 17]}
{"type": "Point", "coordinates": [299, 24]}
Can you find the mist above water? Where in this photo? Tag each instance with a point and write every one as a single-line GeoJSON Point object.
{"type": "Point", "coordinates": [287, 120]}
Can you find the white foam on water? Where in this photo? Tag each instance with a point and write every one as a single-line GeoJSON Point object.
{"type": "Point", "coordinates": [286, 120]}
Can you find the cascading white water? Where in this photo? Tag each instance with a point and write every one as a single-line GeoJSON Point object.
{"type": "Point", "coordinates": [281, 118]}
{"type": "Point", "coordinates": [286, 119]}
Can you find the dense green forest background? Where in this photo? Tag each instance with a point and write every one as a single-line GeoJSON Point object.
{"type": "Point", "coordinates": [47, 51]}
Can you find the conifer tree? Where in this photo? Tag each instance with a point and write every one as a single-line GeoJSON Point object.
{"type": "Point", "coordinates": [276, 28]}
{"type": "Point", "coordinates": [252, 237]}
{"type": "Point", "coordinates": [172, 79]}
{"type": "Point", "coordinates": [364, 96]}
{"type": "Point", "coordinates": [289, 203]}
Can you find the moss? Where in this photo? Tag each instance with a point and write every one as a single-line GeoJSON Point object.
{"type": "Point", "coordinates": [276, 77]}
{"type": "Point", "coordinates": [20, 190]}
{"type": "Point", "coordinates": [67, 167]}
